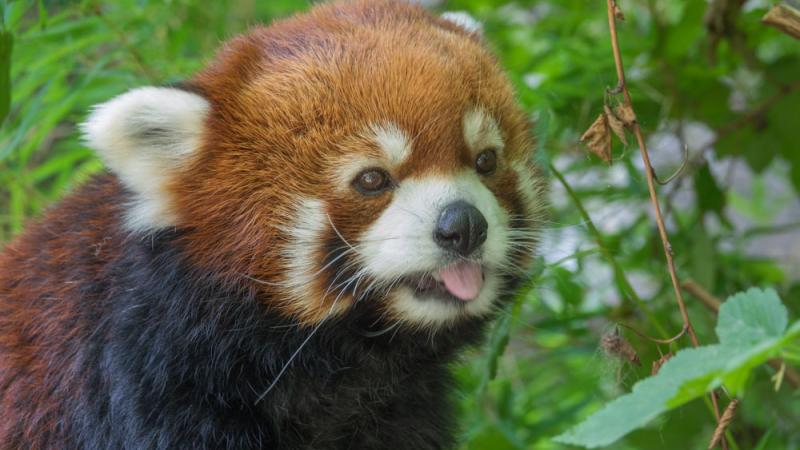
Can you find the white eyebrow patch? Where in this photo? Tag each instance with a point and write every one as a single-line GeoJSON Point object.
{"type": "Point", "coordinates": [481, 131]}
{"type": "Point", "coordinates": [393, 141]}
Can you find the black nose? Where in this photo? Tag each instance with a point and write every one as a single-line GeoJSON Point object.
{"type": "Point", "coordinates": [461, 228]}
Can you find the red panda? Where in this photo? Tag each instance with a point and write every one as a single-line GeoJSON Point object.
{"type": "Point", "coordinates": [287, 250]}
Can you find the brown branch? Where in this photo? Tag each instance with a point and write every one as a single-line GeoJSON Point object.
{"type": "Point", "coordinates": [705, 297]}
{"type": "Point", "coordinates": [713, 304]}
{"type": "Point", "coordinates": [668, 252]}
{"type": "Point", "coordinates": [726, 419]}
{"type": "Point", "coordinates": [637, 131]}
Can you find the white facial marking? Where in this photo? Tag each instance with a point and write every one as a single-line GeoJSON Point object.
{"type": "Point", "coordinates": [393, 141]}
{"type": "Point", "coordinates": [400, 243]}
{"type": "Point", "coordinates": [305, 236]}
{"type": "Point", "coordinates": [144, 136]}
{"type": "Point", "coordinates": [530, 190]}
{"type": "Point", "coordinates": [481, 131]}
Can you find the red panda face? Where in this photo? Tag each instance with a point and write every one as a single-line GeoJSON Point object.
{"type": "Point", "coordinates": [365, 153]}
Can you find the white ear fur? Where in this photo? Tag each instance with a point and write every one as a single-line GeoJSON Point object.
{"type": "Point", "coordinates": [144, 136]}
{"type": "Point", "coordinates": [464, 20]}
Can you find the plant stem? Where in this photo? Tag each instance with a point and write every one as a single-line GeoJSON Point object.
{"type": "Point", "coordinates": [627, 290]}
{"type": "Point", "coordinates": [637, 131]}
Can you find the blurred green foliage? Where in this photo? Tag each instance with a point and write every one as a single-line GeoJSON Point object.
{"type": "Point", "coordinates": [733, 214]}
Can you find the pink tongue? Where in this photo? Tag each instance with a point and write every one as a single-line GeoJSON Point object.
{"type": "Point", "coordinates": [464, 280]}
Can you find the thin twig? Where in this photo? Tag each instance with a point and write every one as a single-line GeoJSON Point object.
{"type": "Point", "coordinates": [668, 252]}
{"type": "Point", "coordinates": [677, 173]}
{"type": "Point", "coordinates": [652, 339]}
{"type": "Point", "coordinates": [705, 297]}
{"type": "Point", "coordinates": [726, 419]}
{"type": "Point", "coordinates": [713, 303]}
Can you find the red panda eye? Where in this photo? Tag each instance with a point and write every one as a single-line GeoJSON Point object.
{"type": "Point", "coordinates": [372, 181]}
{"type": "Point", "coordinates": [486, 162]}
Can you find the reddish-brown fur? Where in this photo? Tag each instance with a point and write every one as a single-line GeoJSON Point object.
{"type": "Point", "coordinates": [288, 104]}
{"type": "Point", "coordinates": [288, 108]}
{"type": "Point", "coordinates": [39, 313]}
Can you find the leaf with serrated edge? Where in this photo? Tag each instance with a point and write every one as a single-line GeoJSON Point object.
{"type": "Point", "coordinates": [736, 372]}
{"type": "Point", "coordinates": [750, 317]}
{"type": "Point", "coordinates": [6, 46]}
{"type": "Point", "coordinates": [646, 401]}
{"type": "Point", "coordinates": [693, 372]}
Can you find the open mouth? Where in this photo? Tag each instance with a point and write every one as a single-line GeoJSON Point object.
{"type": "Point", "coordinates": [461, 281]}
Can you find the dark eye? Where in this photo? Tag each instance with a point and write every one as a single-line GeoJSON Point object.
{"type": "Point", "coordinates": [372, 181]}
{"type": "Point", "coordinates": [486, 162]}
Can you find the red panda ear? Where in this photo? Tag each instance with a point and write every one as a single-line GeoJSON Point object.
{"type": "Point", "coordinates": [145, 136]}
{"type": "Point", "coordinates": [465, 21]}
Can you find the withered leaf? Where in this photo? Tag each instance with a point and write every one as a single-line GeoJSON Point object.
{"type": "Point", "coordinates": [784, 17]}
{"type": "Point", "coordinates": [618, 13]}
{"type": "Point", "coordinates": [616, 125]}
{"type": "Point", "coordinates": [598, 139]}
{"type": "Point", "coordinates": [625, 114]}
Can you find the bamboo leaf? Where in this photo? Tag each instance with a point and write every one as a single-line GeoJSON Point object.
{"type": "Point", "coordinates": [6, 47]}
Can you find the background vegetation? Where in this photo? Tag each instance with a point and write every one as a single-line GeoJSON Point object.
{"type": "Point", "coordinates": [704, 75]}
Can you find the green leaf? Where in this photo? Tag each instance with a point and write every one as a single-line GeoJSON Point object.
{"type": "Point", "coordinates": [703, 256]}
{"type": "Point", "coordinates": [785, 123]}
{"type": "Point", "coordinates": [736, 371]}
{"type": "Point", "coordinates": [762, 443]}
{"type": "Point", "coordinates": [6, 46]}
{"type": "Point", "coordinates": [751, 317]}
{"type": "Point", "coordinates": [646, 401]}
{"type": "Point", "coordinates": [712, 198]}
{"type": "Point", "coordinates": [493, 437]}
{"type": "Point", "coordinates": [13, 13]}
{"type": "Point", "coordinates": [751, 329]}
{"type": "Point", "coordinates": [498, 341]}
{"type": "Point", "coordinates": [42, 14]}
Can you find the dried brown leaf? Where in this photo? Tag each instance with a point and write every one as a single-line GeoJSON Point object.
{"type": "Point", "coordinates": [617, 126]}
{"type": "Point", "coordinates": [625, 114]}
{"type": "Point", "coordinates": [784, 17]}
{"type": "Point", "coordinates": [598, 139]}
{"type": "Point", "coordinates": [618, 13]}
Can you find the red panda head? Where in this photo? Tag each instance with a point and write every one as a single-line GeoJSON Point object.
{"type": "Point", "coordinates": [363, 152]}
